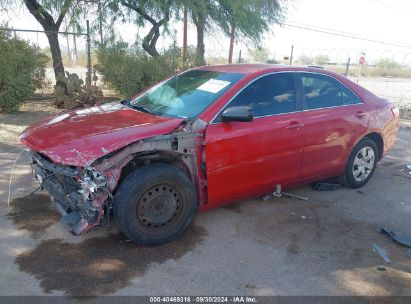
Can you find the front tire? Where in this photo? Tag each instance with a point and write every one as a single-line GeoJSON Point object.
{"type": "Point", "coordinates": [155, 204]}
{"type": "Point", "coordinates": [361, 164]}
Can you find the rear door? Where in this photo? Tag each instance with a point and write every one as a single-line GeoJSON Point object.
{"type": "Point", "coordinates": [248, 157]}
{"type": "Point", "coordinates": [335, 117]}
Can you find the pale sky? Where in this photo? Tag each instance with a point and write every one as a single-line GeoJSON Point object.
{"type": "Point", "coordinates": [382, 20]}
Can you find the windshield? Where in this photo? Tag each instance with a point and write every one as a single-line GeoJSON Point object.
{"type": "Point", "coordinates": [185, 95]}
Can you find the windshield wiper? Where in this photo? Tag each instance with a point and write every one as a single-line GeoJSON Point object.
{"type": "Point", "coordinates": [127, 102]}
{"type": "Point", "coordinates": [142, 109]}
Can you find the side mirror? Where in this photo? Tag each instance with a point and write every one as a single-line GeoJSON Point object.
{"type": "Point", "coordinates": [238, 113]}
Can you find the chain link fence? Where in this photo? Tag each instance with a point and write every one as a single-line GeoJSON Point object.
{"type": "Point", "coordinates": [65, 51]}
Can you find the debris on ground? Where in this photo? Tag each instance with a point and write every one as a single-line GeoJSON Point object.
{"type": "Point", "coordinates": [360, 192]}
{"type": "Point", "coordinates": [291, 195]}
{"type": "Point", "coordinates": [409, 167]}
{"type": "Point", "coordinates": [279, 193]}
{"type": "Point", "coordinates": [303, 217]}
{"type": "Point", "coordinates": [400, 238]}
{"type": "Point", "coordinates": [325, 186]}
{"type": "Point", "coordinates": [379, 268]}
{"type": "Point", "coordinates": [381, 251]}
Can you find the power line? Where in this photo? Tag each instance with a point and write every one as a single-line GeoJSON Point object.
{"type": "Point", "coordinates": [348, 35]}
{"type": "Point", "coordinates": [390, 5]}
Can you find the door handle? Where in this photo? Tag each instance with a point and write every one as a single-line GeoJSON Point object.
{"type": "Point", "coordinates": [360, 114]}
{"type": "Point", "coordinates": [295, 125]}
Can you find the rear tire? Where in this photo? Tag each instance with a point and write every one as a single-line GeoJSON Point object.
{"type": "Point", "coordinates": [155, 204]}
{"type": "Point", "coordinates": [361, 164]}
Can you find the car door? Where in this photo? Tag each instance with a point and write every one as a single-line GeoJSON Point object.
{"type": "Point", "coordinates": [334, 119]}
{"type": "Point", "coordinates": [250, 157]}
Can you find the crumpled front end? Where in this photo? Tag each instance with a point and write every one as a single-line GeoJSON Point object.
{"type": "Point", "coordinates": [83, 195]}
{"type": "Point", "coordinates": [78, 194]}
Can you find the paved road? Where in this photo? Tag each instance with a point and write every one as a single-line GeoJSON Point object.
{"type": "Point", "coordinates": [280, 247]}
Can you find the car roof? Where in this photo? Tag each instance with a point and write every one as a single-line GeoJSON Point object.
{"type": "Point", "coordinates": [252, 68]}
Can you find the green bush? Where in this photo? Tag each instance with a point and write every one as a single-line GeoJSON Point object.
{"type": "Point", "coordinates": [21, 71]}
{"type": "Point", "coordinates": [387, 64]}
{"type": "Point", "coordinates": [321, 59]}
{"type": "Point", "coordinates": [128, 70]}
{"type": "Point", "coordinates": [305, 60]}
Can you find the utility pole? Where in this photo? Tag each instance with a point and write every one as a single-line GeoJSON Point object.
{"type": "Point", "coordinates": [185, 36]}
{"type": "Point", "coordinates": [291, 55]}
{"type": "Point", "coordinates": [347, 67]}
{"type": "Point", "coordinates": [230, 52]}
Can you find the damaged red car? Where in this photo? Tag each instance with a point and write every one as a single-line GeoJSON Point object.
{"type": "Point", "coordinates": [206, 137]}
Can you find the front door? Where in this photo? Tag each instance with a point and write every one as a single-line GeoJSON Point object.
{"type": "Point", "coordinates": [249, 157]}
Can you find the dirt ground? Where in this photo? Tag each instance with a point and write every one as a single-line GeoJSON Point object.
{"type": "Point", "coordinates": [279, 247]}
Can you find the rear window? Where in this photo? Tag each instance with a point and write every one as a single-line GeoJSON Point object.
{"type": "Point", "coordinates": [348, 96]}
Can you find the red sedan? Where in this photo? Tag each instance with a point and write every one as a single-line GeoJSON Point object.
{"type": "Point", "coordinates": [207, 137]}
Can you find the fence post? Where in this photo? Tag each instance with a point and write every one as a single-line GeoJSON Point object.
{"type": "Point", "coordinates": [88, 60]}
{"type": "Point", "coordinates": [348, 65]}
{"type": "Point", "coordinates": [174, 56]}
{"type": "Point", "coordinates": [291, 55]}
{"type": "Point", "coordinates": [239, 57]}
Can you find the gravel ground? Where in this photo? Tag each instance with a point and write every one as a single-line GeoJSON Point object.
{"type": "Point", "coordinates": [279, 247]}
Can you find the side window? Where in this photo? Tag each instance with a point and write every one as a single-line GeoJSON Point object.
{"type": "Point", "coordinates": [348, 96]}
{"type": "Point", "coordinates": [268, 95]}
{"type": "Point", "coordinates": [321, 91]}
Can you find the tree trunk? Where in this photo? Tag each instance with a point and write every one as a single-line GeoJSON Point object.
{"type": "Point", "coordinates": [51, 27]}
{"type": "Point", "coordinates": [185, 36]}
{"type": "Point", "coordinates": [230, 52]}
{"type": "Point", "coordinates": [150, 40]}
{"type": "Point", "coordinates": [58, 66]}
{"type": "Point", "coordinates": [100, 21]}
{"type": "Point", "coordinates": [199, 22]}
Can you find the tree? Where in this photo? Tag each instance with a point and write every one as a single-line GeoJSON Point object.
{"type": "Point", "coordinates": [51, 26]}
{"type": "Point", "coordinates": [157, 13]}
{"type": "Point", "coordinates": [305, 60]}
{"type": "Point", "coordinates": [260, 54]}
{"type": "Point", "coordinates": [199, 13]}
{"type": "Point", "coordinates": [321, 59]}
{"type": "Point", "coordinates": [247, 19]}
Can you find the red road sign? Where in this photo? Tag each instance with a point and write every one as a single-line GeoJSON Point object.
{"type": "Point", "coordinates": [362, 60]}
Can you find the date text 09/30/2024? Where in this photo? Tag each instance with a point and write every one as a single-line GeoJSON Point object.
{"type": "Point", "coordinates": [199, 299]}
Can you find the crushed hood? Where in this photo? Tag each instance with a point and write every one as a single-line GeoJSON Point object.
{"type": "Point", "coordinates": [79, 137]}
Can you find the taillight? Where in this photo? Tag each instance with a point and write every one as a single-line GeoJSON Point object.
{"type": "Point", "coordinates": [395, 111]}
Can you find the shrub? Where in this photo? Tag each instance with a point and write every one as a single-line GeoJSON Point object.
{"type": "Point", "coordinates": [128, 70]}
{"type": "Point", "coordinates": [21, 71]}
{"type": "Point", "coordinates": [260, 54]}
{"type": "Point", "coordinates": [305, 60]}
{"type": "Point", "coordinates": [387, 64]}
{"type": "Point", "coordinates": [321, 59]}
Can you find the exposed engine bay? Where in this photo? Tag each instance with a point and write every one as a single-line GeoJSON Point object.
{"type": "Point", "coordinates": [84, 195]}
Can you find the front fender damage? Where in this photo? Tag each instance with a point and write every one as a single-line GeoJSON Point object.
{"type": "Point", "coordinates": [84, 195]}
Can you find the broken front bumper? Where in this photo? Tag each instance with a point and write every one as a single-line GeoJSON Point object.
{"type": "Point", "coordinates": [79, 195]}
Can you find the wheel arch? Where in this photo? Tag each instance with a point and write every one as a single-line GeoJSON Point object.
{"type": "Point", "coordinates": [163, 157]}
{"type": "Point", "coordinates": [379, 141]}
